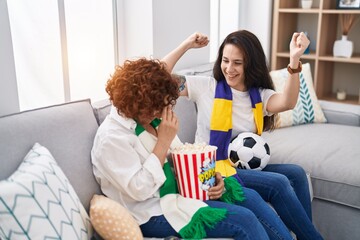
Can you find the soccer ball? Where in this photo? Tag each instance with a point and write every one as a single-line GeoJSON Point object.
{"type": "Point", "coordinates": [249, 151]}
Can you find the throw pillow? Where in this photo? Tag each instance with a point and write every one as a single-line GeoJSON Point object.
{"type": "Point", "coordinates": [38, 202]}
{"type": "Point", "coordinates": [111, 220]}
{"type": "Point", "coordinates": [307, 109]}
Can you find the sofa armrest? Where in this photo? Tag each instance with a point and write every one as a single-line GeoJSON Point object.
{"type": "Point", "coordinates": [341, 113]}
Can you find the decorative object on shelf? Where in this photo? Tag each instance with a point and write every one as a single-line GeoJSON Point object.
{"type": "Point", "coordinates": [348, 4]}
{"type": "Point", "coordinates": [344, 47]}
{"type": "Point", "coordinates": [341, 94]}
{"type": "Point", "coordinates": [306, 4]}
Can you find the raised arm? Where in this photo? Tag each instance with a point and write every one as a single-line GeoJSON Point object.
{"type": "Point", "coordinates": [195, 40]}
{"type": "Point", "coordinates": [280, 102]}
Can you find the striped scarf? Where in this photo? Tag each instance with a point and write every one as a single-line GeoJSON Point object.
{"type": "Point", "coordinates": [221, 129]}
{"type": "Point", "coordinates": [189, 217]}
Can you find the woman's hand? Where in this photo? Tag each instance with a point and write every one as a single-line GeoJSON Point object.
{"type": "Point", "coordinates": [216, 191]}
{"type": "Point", "coordinates": [166, 133]}
{"type": "Point", "coordinates": [168, 127]}
{"type": "Point", "coordinates": [298, 45]}
{"type": "Point", "coordinates": [196, 40]}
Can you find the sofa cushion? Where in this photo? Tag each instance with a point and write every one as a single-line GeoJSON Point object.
{"type": "Point", "coordinates": [203, 69]}
{"type": "Point", "coordinates": [329, 152]}
{"type": "Point", "coordinates": [307, 109]}
{"type": "Point", "coordinates": [101, 110]}
{"type": "Point", "coordinates": [38, 202]}
{"type": "Point", "coordinates": [67, 130]}
{"type": "Point", "coordinates": [186, 112]}
{"type": "Point", "coordinates": [184, 108]}
{"type": "Point", "coordinates": [111, 220]}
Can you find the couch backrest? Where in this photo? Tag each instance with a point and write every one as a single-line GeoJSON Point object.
{"type": "Point", "coordinates": [341, 113]}
{"type": "Point", "coordinates": [185, 110]}
{"type": "Point", "coordinates": [187, 114]}
{"type": "Point", "coordinates": [66, 130]}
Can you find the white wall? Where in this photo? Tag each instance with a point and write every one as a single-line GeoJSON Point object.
{"type": "Point", "coordinates": [9, 102]}
{"type": "Point", "coordinates": [136, 34]}
{"type": "Point", "coordinates": [229, 18]}
{"type": "Point", "coordinates": [258, 20]}
{"type": "Point", "coordinates": [154, 28]}
{"type": "Point", "coordinates": [158, 26]}
{"type": "Point", "coordinates": [175, 20]}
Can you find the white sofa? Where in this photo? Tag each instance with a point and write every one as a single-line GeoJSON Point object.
{"type": "Point", "coordinates": [330, 152]}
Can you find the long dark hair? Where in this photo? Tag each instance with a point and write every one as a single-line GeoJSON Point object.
{"type": "Point", "coordinates": [255, 65]}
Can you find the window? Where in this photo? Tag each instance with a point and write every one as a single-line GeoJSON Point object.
{"type": "Point", "coordinates": [63, 50]}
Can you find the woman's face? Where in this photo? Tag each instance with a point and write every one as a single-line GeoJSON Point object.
{"type": "Point", "coordinates": [232, 66]}
{"type": "Point", "coordinates": [145, 120]}
{"type": "Point", "coordinates": [155, 114]}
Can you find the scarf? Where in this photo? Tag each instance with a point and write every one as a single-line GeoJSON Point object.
{"type": "Point", "coordinates": [221, 129]}
{"type": "Point", "coordinates": [187, 216]}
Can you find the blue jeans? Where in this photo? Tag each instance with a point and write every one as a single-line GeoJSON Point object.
{"type": "Point", "coordinates": [288, 192]}
{"type": "Point", "coordinates": [250, 219]}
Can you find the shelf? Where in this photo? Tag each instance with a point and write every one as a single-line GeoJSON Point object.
{"type": "Point", "coordinates": [322, 22]}
{"type": "Point", "coordinates": [298, 10]}
{"type": "Point", "coordinates": [336, 11]}
{"type": "Point", "coordinates": [352, 99]}
{"type": "Point", "coordinates": [329, 58]}
{"type": "Point", "coordinates": [312, 55]}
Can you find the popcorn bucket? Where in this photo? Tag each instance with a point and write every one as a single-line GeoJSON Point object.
{"type": "Point", "coordinates": [194, 169]}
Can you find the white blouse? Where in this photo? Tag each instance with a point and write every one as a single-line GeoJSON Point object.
{"type": "Point", "coordinates": [125, 170]}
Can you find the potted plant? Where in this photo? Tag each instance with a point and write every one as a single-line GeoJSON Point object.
{"type": "Point", "coordinates": [344, 47]}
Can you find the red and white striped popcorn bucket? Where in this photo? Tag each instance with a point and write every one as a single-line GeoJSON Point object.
{"type": "Point", "coordinates": [194, 166]}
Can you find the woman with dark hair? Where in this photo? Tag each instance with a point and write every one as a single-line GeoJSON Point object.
{"type": "Point", "coordinates": [240, 97]}
{"type": "Point", "coordinates": [129, 162]}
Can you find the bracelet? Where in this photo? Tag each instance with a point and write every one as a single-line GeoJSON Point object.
{"type": "Point", "coordinates": [296, 70]}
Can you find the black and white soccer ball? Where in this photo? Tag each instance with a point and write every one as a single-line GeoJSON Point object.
{"type": "Point", "coordinates": [249, 151]}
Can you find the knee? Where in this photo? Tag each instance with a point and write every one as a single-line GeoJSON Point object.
{"type": "Point", "coordinates": [244, 213]}
{"type": "Point", "coordinates": [252, 195]}
{"type": "Point", "coordinates": [279, 181]}
{"type": "Point", "coordinates": [297, 175]}
{"type": "Point", "coordinates": [298, 171]}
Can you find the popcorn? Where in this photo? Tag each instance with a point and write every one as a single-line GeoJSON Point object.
{"type": "Point", "coordinates": [193, 148]}
{"type": "Point", "coordinates": [194, 169]}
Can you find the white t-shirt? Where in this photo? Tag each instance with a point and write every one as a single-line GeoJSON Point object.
{"type": "Point", "coordinates": [125, 170]}
{"type": "Point", "coordinates": [201, 90]}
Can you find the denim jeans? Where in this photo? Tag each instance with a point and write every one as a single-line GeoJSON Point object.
{"type": "Point", "coordinates": [288, 192]}
{"type": "Point", "coordinates": [261, 222]}
{"type": "Point", "coordinates": [250, 219]}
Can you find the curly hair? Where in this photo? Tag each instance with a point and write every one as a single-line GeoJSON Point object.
{"type": "Point", "coordinates": [141, 88]}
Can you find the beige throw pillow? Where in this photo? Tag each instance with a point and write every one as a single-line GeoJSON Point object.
{"type": "Point", "coordinates": [111, 220]}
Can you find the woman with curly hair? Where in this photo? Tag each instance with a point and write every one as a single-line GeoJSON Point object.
{"type": "Point", "coordinates": [129, 162]}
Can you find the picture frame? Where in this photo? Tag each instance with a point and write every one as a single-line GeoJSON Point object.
{"type": "Point", "coordinates": [348, 4]}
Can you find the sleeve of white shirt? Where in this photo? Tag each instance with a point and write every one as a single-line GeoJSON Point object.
{"type": "Point", "coordinates": [196, 85]}
{"type": "Point", "coordinates": [128, 167]}
{"type": "Point", "coordinates": [265, 96]}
